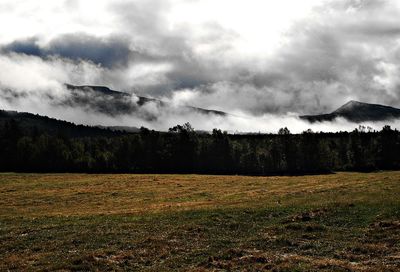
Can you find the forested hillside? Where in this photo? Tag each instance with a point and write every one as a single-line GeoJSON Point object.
{"type": "Point", "coordinates": [182, 150]}
{"type": "Point", "coordinates": [32, 124]}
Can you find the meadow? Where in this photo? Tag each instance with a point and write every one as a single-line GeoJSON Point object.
{"type": "Point", "coordinates": [99, 222]}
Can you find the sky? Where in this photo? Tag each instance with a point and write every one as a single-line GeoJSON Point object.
{"type": "Point", "coordinates": [265, 62]}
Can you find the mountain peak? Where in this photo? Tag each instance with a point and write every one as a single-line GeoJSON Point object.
{"type": "Point", "coordinates": [354, 102]}
{"type": "Point", "coordinates": [356, 111]}
{"type": "Point", "coordinates": [351, 105]}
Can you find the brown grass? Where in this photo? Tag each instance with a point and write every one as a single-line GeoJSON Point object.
{"type": "Point", "coordinates": [338, 222]}
{"type": "Point", "coordinates": [84, 194]}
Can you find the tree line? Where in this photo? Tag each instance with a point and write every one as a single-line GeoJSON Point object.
{"type": "Point", "coordinates": [182, 150]}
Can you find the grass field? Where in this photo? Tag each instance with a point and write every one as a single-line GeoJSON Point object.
{"type": "Point", "coordinates": [81, 222]}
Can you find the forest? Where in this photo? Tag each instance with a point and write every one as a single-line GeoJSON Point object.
{"type": "Point", "coordinates": [183, 150]}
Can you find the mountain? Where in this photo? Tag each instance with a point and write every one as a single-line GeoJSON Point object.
{"type": "Point", "coordinates": [355, 111]}
{"type": "Point", "coordinates": [104, 100]}
{"type": "Point", "coordinates": [29, 123]}
{"type": "Point", "coordinates": [99, 99]}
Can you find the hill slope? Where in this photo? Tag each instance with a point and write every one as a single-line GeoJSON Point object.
{"type": "Point", "coordinates": [355, 111]}
{"type": "Point", "coordinates": [28, 122]}
{"type": "Point", "coordinates": [104, 100]}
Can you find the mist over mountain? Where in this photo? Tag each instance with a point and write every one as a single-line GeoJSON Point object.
{"type": "Point", "coordinates": [110, 102]}
{"type": "Point", "coordinates": [104, 100]}
{"type": "Point", "coordinates": [357, 112]}
{"type": "Point", "coordinates": [117, 110]}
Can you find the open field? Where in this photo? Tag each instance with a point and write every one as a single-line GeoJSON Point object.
{"type": "Point", "coordinates": [339, 222]}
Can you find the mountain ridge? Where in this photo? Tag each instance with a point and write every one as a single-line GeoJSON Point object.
{"type": "Point", "coordinates": [356, 111]}
{"type": "Point", "coordinates": [29, 122]}
{"type": "Point", "coordinates": [121, 102]}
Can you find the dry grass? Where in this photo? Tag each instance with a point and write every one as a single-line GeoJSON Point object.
{"type": "Point", "coordinates": [340, 222]}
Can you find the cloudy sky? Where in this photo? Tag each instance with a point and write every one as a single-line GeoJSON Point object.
{"type": "Point", "coordinates": [251, 58]}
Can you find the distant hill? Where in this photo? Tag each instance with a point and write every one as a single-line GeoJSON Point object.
{"type": "Point", "coordinates": [355, 111]}
{"type": "Point", "coordinates": [104, 100]}
{"type": "Point", "coordinates": [29, 122]}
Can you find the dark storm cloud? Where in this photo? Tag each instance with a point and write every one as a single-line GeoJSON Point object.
{"type": "Point", "coordinates": [28, 47]}
{"type": "Point", "coordinates": [108, 52]}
